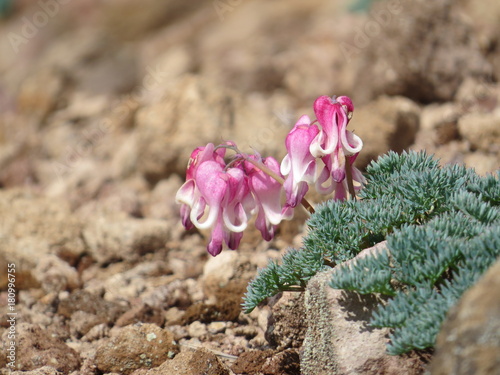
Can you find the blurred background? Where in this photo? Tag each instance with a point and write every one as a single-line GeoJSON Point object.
{"type": "Point", "coordinates": [127, 89]}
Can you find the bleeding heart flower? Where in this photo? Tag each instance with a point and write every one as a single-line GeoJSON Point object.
{"type": "Point", "coordinates": [267, 193]}
{"type": "Point", "coordinates": [335, 142]}
{"type": "Point", "coordinates": [188, 194]}
{"type": "Point", "coordinates": [223, 196]}
{"type": "Point", "coordinates": [299, 164]}
{"type": "Point", "coordinates": [317, 151]}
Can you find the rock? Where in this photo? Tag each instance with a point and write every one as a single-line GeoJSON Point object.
{"type": "Point", "coordinates": [82, 322]}
{"type": "Point", "coordinates": [134, 347]}
{"type": "Point", "coordinates": [267, 362]}
{"type": "Point", "coordinates": [482, 163]}
{"type": "Point", "coordinates": [129, 20]}
{"type": "Point", "coordinates": [97, 332]}
{"type": "Point", "coordinates": [35, 349]}
{"type": "Point", "coordinates": [160, 205]}
{"type": "Point", "coordinates": [337, 339]}
{"type": "Point", "coordinates": [251, 361]}
{"type": "Point", "coordinates": [45, 370]}
{"type": "Point", "coordinates": [91, 310]}
{"type": "Point", "coordinates": [228, 310]}
{"type": "Point", "coordinates": [477, 95]}
{"type": "Point", "coordinates": [469, 340]}
{"type": "Point", "coordinates": [286, 362]}
{"type": "Point", "coordinates": [56, 275]}
{"type": "Point", "coordinates": [216, 327]}
{"type": "Point", "coordinates": [41, 92]}
{"type": "Point", "coordinates": [388, 123]}
{"type": "Point", "coordinates": [142, 313]}
{"type": "Point", "coordinates": [177, 293]}
{"type": "Point", "coordinates": [199, 362]}
{"type": "Point", "coordinates": [193, 113]}
{"type": "Point", "coordinates": [220, 270]}
{"type": "Point", "coordinates": [111, 239]}
{"type": "Point", "coordinates": [114, 199]}
{"type": "Point", "coordinates": [438, 126]}
{"type": "Point", "coordinates": [482, 130]}
{"type": "Point", "coordinates": [34, 226]}
{"type": "Point", "coordinates": [286, 325]}
{"type": "Point", "coordinates": [197, 329]}
{"type": "Point", "coordinates": [114, 71]}
{"type": "Point", "coordinates": [260, 63]}
{"type": "Point", "coordinates": [484, 17]}
{"type": "Point", "coordinates": [421, 50]}
{"type": "Point", "coordinates": [224, 276]}
{"type": "Point", "coordinates": [164, 70]}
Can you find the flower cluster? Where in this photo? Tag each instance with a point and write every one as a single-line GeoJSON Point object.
{"type": "Point", "coordinates": [224, 195]}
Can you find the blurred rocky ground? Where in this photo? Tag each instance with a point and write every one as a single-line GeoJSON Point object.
{"type": "Point", "coordinates": [101, 103]}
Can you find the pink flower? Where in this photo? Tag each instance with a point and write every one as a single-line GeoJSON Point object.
{"type": "Point", "coordinates": [299, 164]}
{"type": "Point", "coordinates": [334, 139]}
{"type": "Point", "coordinates": [214, 197]}
{"type": "Point", "coordinates": [188, 194]}
{"type": "Point", "coordinates": [223, 197]}
{"type": "Point", "coordinates": [317, 152]}
{"type": "Point", "coordinates": [229, 203]}
{"type": "Point", "coordinates": [267, 194]}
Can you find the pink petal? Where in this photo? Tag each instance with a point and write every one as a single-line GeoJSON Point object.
{"type": "Point", "coordinates": [347, 102]}
{"type": "Point", "coordinates": [328, 113]}
{"type": "Point", "coordinates": [186, 193]}
{"type": "Point", "coordinates": [238, 202]}
{"type": "Point", "coordinates": [267, 190]}
{"type": "Point", "coordinates": [299, 163]}
{"type": "Point", "coordinates": [218, 237]}
{"type": "Point", "coordinates": [212, 185]}
{"type": "Point", "coordinates": [186, 221]}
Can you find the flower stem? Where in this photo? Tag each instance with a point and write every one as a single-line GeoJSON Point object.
{"type": "Point", "coordinates": [307, 206]}
{"type": "Point", "coordinates": [348, 176]}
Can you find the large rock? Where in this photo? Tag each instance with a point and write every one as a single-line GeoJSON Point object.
{"type": "Point", "coordinates": [110, 239]}
{"type": "Point", "coordinates": [338, 339]}
{"type": "Point", "coordinates": [286, 324]}
{"type": "Point", "coordinates": [419, 49]}
{"type": "Point", "coordinates": [36, 348]}
{"type": "Point", "coordinates": [260, 63]}
{"type": "Point", "coordinates": [134, 347]}
{"type": "Point", "coordinates": [388, 123]}
{"type": "Point", "coordinates": [482, 130]}
{"type": "Point", "coordinates": [40, 92]}
{"type": "Point", "coordinates": [199, 362]}
{"type": "Point", "coordinates": [33, 227]}
{"type": "Point", "coordinates": [469, 341]}
{"type": "Point", "coordinates": [85, 310]}
{"type": "Point", "coordinates": [193, 113]}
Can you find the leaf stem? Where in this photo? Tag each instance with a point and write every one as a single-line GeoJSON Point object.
{"type": "Point", "coordinates": [348, 176]}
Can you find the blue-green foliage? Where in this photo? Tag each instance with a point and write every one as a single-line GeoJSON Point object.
{"type": "Point", "coordinates": [361, 6]}
{"type": "Point", "coordinates": [433, 259]}
{"type": "Point", "coordinates": [5, 7]}
{"type": "Point", "coordinates": [442, 231]}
